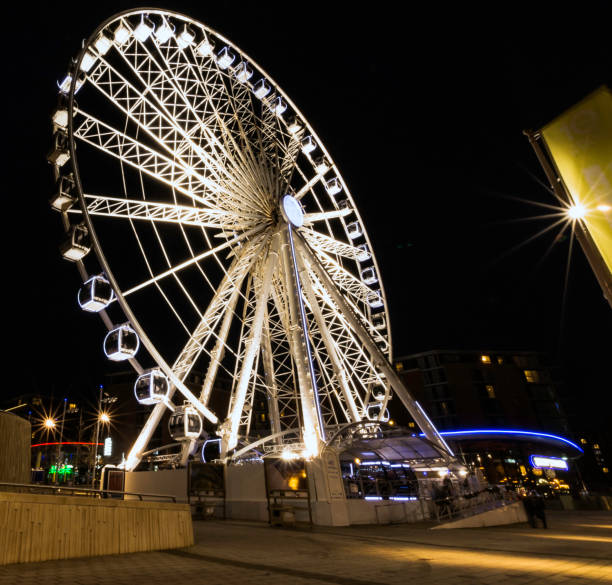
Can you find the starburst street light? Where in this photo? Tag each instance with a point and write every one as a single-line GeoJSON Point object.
{"type": "Point", "coordinates": [104, 418]}
{"type": "Point", "coordinates": [576, 211]}
{"type": "Point", "coordinates": [49, 424]}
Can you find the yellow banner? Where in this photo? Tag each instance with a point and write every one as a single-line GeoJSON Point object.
{"type": "Point", "coordinates": [580, 142]}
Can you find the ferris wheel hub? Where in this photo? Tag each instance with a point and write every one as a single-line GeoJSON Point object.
{"type": "Point", "coordinates": [292, 211]}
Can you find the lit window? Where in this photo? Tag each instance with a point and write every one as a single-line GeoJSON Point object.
{"type": "Point", "coordinates": [605, 469]}
{"type": "Point", "coordinates": [485, 359]}
{"type": "Point", "coordinates": [411, 425]}
{"type": "Point", "coordinates": [399, 366]}
{"type": "Point", "coordinates": [500, 360]}
{"type": "Point", "coordinates": [595, 445]}
{"type": "Point", "coordinates": [490, 391]}
{"type": "Point", "coordinates": [583, 441]}
{"type": "Point", "coordinates": [532, 376]}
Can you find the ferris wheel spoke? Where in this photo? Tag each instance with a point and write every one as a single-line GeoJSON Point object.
{"type": "Point", "coordinates": [310, 218]}
{"type": "Point", "coordinates": [270, 377]}
{"type": "Point", "coordinates": [135, 154]}
{"type": "Point", "coordinates": [180, 77]}
{"type": "Point", "coordinates": [191, 261]}
{"type": "Point", "coordinates": [157, 122]}
{"type": "Point", "coordinates": [138, 209]}
{"type": "Point", "coordinates": [221, 302]}
{"type": "Point", "coordinates": [322, 243]}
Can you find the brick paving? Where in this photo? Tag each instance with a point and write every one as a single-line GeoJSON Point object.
{"type": "Point", "coordinates": [576, 549]}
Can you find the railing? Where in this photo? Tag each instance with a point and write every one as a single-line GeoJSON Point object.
{"type": "Point", "coordinates": [363, 487]}
{"type": "Point", "coordinates": [462, 506]}
{"type": "Point", "coordinates": [79, 491]}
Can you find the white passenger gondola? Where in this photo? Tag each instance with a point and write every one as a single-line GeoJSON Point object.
{"type": "Point", "coordinates": [368, 275]}
{"type": "Point", "coordinates": [261, 89]}
{"type": "Point", "coordinates": [121, 343]}
{"type": "Point", "coordinates": [378, 321]}
{"type": "Point", "coordinates": [242, 72]}
{"type": "Point", "coordinates": [185, 423]}
{"type": "Point", "coordinates": [333, 186]}
{"type": "Point", "coordinates": [77, 245]}
{"type": "Point", "coordinates": [375, 299]}
{"type": "Point", "coordinates": [308, 144]}
{"type": "Point", "coordinates": [354, 230]}
{"type": "Point", "coordinates": [294, 125]}
{"type": "Point", "coordinates": [205, 48]}
{"type": "Point", "coordinates": [376, 412]}
{"type": "Point", "coordinates": [95, 294]}
{"type": "Point", "coordinates": [379, 392]}
{"type": "Point", "coordinates": [364, 254]}
{"type": "Point", "coordinates": [321, 165]}
{"type": "Point", "coordinates": [185, 37]}
{"type": "Point", "coordinates": [151, 387]}
{"type": "Point", "coordinates": [64, 198]}
{"type": "Point", "coordinates": [277, 105]}
{"type": "Point", "coordinates": [225, 58]}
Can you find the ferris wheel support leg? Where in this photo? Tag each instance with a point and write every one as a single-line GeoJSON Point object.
{"type": "Point", "coordinates": [272, 393]}
{"type": "Point", "coordinates": [381, 362]}
{"type": "Point", "coordinates": [135, 454]}
{"type": "Point", "coordinates": [337, 366]}
{"type": "Point", "coordinates": [217, 353]}
{"type": "Point", "coordinates": [230, 437]}
{"type": "Point", "coordinates": [312, 424]}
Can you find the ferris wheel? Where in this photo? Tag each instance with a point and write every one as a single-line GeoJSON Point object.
{"type": "Point", "coordinates": [219, 243]}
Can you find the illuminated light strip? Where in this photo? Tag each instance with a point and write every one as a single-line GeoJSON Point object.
{"type": "Point", "coordinates": [64, 443]}
{"type": "Point", "coordinates": [543, 462]}
{"type": "Point", "coordinates": [507, 432]}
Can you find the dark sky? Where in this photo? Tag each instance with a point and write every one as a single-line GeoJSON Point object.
{"type": "Point", "coordinates": [422, 111]}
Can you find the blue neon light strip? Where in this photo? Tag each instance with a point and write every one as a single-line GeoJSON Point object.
{"type": "Point", "coordinates": [506, 432]}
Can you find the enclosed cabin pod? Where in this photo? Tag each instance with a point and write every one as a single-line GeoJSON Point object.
{"type": "Point", "coordinates": [261, 89]}
{"type": "Point", "coordinates": [60, 154]}
{"type": "Point", "coordinates": [277, 105]}
{"type": "Point", "coordinates": [375, 412]}
{"type": "Point", "coordinates": [121, 343]}
{"type": "Point", "coordinates": [103, 44]}
{"type": "Point", "coordinates": [151, 387]}
{"type": "Point", "coordinates": [353, 230]}
{"type": "Point", "coordinates": [144, 29]}
{"type": "Point", "coordinates": [364, 254]}
{"type": "Point", "coordinates": [375, 299]}
{"type": "Point", "coordinates": [88, 61]}
{"type": "Point", "coordinates": [321, 165]}
{"type": "Point", "coordinates": [368, 275]}
{"type": "Point", "coordinates": [225, 58]}
{"type": "Point", "coordinates": [185, 37]}
{"type": "Point", "coordinates": [242, 72]}
{"type": "Point", "coordinates": [378, 321]}
{"type": "Point", "coordinates": [95, 294]}
{"type": "Point", "coordinates": [333, 186]}
{"type": "Point", "coordinates": [164, 32]}
{"type": "Point", "coordinates": [185, 423]}
{"type": "Point", "coordinates": [64, 197]}
{"type": "Point", "coordinates": [205, 48]}
{"type": "Point", "coordinates": [308, 144]}
{"type": "Point", "coordinates": [294, 125]}
{"type": "Point", "coordinates": [78, 243]}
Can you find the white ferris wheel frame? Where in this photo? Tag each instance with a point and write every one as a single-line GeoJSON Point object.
{"type": "Point", "coordinates": [305, 296]}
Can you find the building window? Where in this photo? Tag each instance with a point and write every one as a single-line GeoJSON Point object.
{"type": "Point", "coordinates": [532, 376]}
{"type": "Point", "coordinates": [500, 360]}
{"type": "Point", "coordinates": [485, 359]}
{"type": "Point", "coordinates": [399, 366]}
{"type": "Point", "coordinates": [490, 390]}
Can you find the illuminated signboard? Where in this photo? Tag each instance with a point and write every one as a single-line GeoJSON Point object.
{"type": "Point", "coordinates": [580, 145]}
{"type": "Point", "coordinates": [108, 447]}
{"type": "Point", "coordinates": [541, 462]}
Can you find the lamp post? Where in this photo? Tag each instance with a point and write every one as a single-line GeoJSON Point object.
{"type": "Point", "coordinates": [59, 444]}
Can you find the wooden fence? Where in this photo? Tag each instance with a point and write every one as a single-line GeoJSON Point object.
{"type": "Point", "coordinates": [42, 527]}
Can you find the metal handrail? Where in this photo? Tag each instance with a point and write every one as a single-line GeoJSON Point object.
{"type": "Point", "coordinates": [84, 491]}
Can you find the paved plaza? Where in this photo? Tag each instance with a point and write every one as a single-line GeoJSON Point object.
{"type": "Point", "coordinates": [576, 549]}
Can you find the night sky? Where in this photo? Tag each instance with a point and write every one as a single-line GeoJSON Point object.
{"type": "Point", "coordinates": [423, 113]}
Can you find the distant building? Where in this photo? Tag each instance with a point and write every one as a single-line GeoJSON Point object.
{"type": "Point", "coordinates": [469, 395]}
